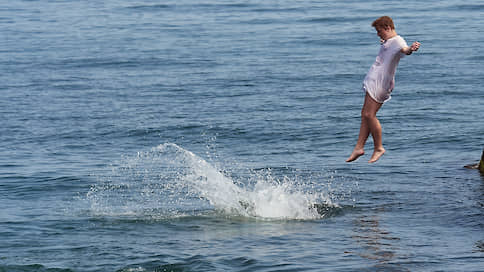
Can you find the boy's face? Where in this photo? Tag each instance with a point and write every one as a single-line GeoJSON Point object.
{"type": "Point", "coordinates": [384, 32]}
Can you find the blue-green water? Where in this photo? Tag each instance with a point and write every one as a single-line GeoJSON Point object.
{"type": "Point", "coordinates": [211, 136]}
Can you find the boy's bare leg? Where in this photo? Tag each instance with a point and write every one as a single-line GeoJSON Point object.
{"type": "Point", "coordinates": [375, 127]}
{"type": "Point", "coordinates": [359, 149]}
{"type": "Point", "coordinates": [378, 150]}
{"type": "Point", "coordinates": [369, 124]}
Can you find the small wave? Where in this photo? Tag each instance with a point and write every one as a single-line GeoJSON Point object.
{"type": "Point", "coordinates": [193, 263]}
{"type": "Point", "coordinates": [148, 8]}
{"type": "Point", "coordinates": [31, 268]}
{"type": "Point", "coordinates": [170, 181]}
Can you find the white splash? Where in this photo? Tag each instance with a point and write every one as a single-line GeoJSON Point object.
{"type": "Point", "coordinates": [171, 180]}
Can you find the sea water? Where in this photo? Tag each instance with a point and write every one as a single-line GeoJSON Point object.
{"type": "Point", "coordinates": [212, 136]}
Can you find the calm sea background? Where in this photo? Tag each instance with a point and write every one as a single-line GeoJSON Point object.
{"type": "Point", "coordinates": [212, 136]}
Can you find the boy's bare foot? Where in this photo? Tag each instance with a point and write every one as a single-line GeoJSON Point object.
{"type": "Point", "coordinates": [355, 155]}
{"type": "Point", "coordinates": [377, 153]}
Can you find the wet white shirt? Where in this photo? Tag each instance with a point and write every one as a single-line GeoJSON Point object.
{"type": "Point", "coordinates": [380, 80]}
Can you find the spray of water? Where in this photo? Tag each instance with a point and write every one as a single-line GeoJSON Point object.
{"type": "Point", "coordinates": [171, 181]}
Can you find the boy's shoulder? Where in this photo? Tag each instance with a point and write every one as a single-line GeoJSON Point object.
{"type": "Point", "coordinates": [398, 41]}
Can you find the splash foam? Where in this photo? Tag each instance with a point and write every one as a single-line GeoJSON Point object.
{"type": "Point", "coordinates": [169, 180]}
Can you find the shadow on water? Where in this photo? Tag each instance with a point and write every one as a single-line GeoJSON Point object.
{"type": "Point", "coordinates": [376, 243]}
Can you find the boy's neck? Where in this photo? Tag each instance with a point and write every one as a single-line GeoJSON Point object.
{"type": "Point", "coordinates": [391, 34]}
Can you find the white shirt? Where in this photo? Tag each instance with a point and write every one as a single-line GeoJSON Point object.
{"type": "Point", "coordinates": [380, 79]}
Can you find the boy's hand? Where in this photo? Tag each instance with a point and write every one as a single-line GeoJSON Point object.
{"type": "Point", "coordinates": [415, 46]}
{"type": "Point", "coordinates": [410, 49]}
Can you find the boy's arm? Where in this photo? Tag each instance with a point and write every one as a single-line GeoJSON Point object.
{"type": "Point", "coordinates": [409, 49]}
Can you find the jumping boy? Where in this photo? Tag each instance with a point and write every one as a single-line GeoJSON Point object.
{"type": "Point", "coordinates": [378, 85]}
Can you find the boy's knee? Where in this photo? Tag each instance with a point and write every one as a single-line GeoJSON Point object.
{"type": "Point", "coordinates": [367, 115]}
